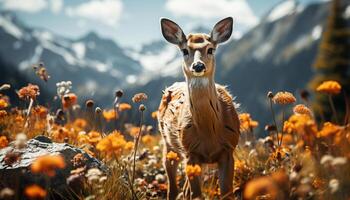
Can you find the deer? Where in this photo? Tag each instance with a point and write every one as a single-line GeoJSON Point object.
{"type": "Point", "coordinates": [197, 118]}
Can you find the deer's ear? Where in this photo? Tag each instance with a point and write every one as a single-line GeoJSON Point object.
{"type": "Point", "coordinates": [172, 32]}
{"type": "Point", "coordinates": [222, 30]}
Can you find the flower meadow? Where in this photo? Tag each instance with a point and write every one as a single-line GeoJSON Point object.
{"type": "Point", "coordinates": [301, 156]}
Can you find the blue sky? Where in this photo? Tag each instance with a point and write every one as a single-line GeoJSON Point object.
{"type": "Point", "coordinates": [133, 22]}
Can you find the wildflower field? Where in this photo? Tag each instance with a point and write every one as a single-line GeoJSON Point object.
{"type": "Point", "coordinates": [300, 158]}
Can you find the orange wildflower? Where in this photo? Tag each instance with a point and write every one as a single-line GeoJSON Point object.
{"type": "Point", "coordinates": [114, 143]}
{"type": "Point", "coordinates": [134, 131]}
{"type": "Point", "coordinates": [40, 111]}
{"type": "Point", "coordinates": [35, 192]}
{"type": "Point", "coordinates": [68, 100]}
{"type": "Point", "coordinates": [246, 122]}
{"type": "Point", "coordinates": [284, 98]}
{"type": "Point", "coordinates": [154, 114]}
{"type": "Point", "coordinates": [129, 146]}
{"type": "Point", "coordinates": [193, 170]}
{"type": "Point", "coordinates": [329, 87]}
{"type": "Point", "coordinates": [3, 104]}
{"type": "Point", "coordinates": [109, 115]}
{"type": "Point", "coordinates": [288, 127]}
{"type": "Point", "coordinates": [80, 123]}
{"type": "Point", "coordinates": [48, 164]}
{"type": "Point", "coordinates": [124, 107]}
{"type": "Point", "coordinates": [329, 129]}
{"type": "Point", "coordinates": [94, 137]}
{"type": "Point", "coordinates": [172, 156]}
{"type": "Point", "coordinates": [147, 139]}
{"type": "Point", "coordinates": [60, 134]}
{"type": "Point", "coordinates": [261, 188]}
{"type": "Point", "coordinates": [302, 109]}
{"type": "Point", "coordinates": [3, 142]}
{"type": "Point", "coordinates": [29, 92]}
{"type": "Point", "coordinates": [3, 113]}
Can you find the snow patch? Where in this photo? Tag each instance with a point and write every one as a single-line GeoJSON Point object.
{"type": "Point", "coordinates": [281, 10]}
{"type": "Point", "coordinates": [131, 79]}
{"type": "Point", "coordinates": [261, 52]}
{"type": "Point", "coordinates": [11, 28]}
{"type": "Point", "coordinates": [79, 49]}
{"type": "Point", "coordinates": [347, 12]}
{"type": "Point", "coordinates": [316, 32]}
{"type": "Point", "coordinates": [34, 59]}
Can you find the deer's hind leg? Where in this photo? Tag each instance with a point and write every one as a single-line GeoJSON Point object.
{"type": "Point", "coordinates": [170, 167]}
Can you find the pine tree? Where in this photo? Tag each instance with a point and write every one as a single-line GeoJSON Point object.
{"type": "Point", "coordinates": [333, 60]}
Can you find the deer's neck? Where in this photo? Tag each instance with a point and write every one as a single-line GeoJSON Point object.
{"type": "Point", "coordinates": [203, 100]}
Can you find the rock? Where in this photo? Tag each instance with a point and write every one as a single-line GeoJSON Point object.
{"type": "Point", "coordinates": [15, 170]}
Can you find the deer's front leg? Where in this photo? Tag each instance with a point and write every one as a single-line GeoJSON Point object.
{"type": "Point", "coordinates": [226, 175]}
{"type": "Point", "coordinates": [171, 168]}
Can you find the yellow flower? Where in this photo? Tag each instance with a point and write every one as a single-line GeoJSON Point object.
{"type": "Point", "coordinates": [147, 139]}
{"type": "Point", "coordinates": [129, 146]}
{"type": "Point", "coordinates": [246, 122]}
{"type": "Point", "coordinates": [134, 131]}
{"type": "Point", "coordinates": [48, 164]}
{"type": "Point", "coordinates": [261, 188]}
{"type": "Point", "coordinates": [329, 87]}
{"type": "Point", "coordinates": [94, 137]}
{"type": "Point", "coordinates": [60, 134]}
{"type": "Point", "coordinates": [35, 192]}
{"type": "Point", "coordinates": [302, 109]}
{"type": "Point", "coordinates": [40, 111]}
{"type": "Point", "coordinates": [3, 104]}
{"type": "Point", "coordinates": [284, 98]}
{"type": "Point", "coordinates": [3, 142]}
{"type": "Point", "coordinates": [109, 115]}
{"type": "Point", "coordinates": [83, 138]}
{"type": "Point", "coordinates": [124, 106]}
{"type": "Point", "coordinates": [172, 156]}
{"type": "Point", "coordinates": [80, 123]}
{"type": "Point", "coordinates": [113, 144]}
{"type": "Point", "coordinates": [288, 127]}
{"type": "Point", "coordinates": [300, 124]}
{"type": "Point", "coordinates": [329, 129]}
{"type": "Point", "coordinates": [154, 114]}
{"type": "Point", "coordinates": [193, 170]}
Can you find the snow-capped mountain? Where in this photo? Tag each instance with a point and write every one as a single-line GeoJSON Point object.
{"type": "Point", "coordinates": [95, 65]}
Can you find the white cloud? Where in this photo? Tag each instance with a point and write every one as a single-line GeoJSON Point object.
{"type": "Point", "coordinates": [207, 9]}
{"type": "Point", "coordinates": [30, 6]}
{"type": "Point", "coordinates": [104, 11]}
{"type": "Point", "coordinates": [56, 5]}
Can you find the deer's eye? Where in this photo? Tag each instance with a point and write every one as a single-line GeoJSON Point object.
{"type": "Point", "coordinates": [210, 51]}
{"type": "Point", "coordinates": [184, 52]}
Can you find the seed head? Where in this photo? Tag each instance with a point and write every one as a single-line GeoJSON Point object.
{"type": "Point", "coordinates": [139, 97]}
{"type": "Point", "coordinates": [89, 103]}
{"type": "Point", "coordinates": [142, 108]}
{"type": "Point", "coordinates": [270, 95]}
{"type": "Point", "coordinates": [98, 110]}
{"type": "Point", "coordinates": [119, 93]}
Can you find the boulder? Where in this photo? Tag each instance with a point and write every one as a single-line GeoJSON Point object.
{"type": "Point", "coordinates": [15, 170]}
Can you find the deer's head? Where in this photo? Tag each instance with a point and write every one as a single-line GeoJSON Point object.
{"type": "Point", "coordinates": [198, 49]}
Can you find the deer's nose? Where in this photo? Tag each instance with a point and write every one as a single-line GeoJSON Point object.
{"type": "Point", "coordinates": [198, 67]}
